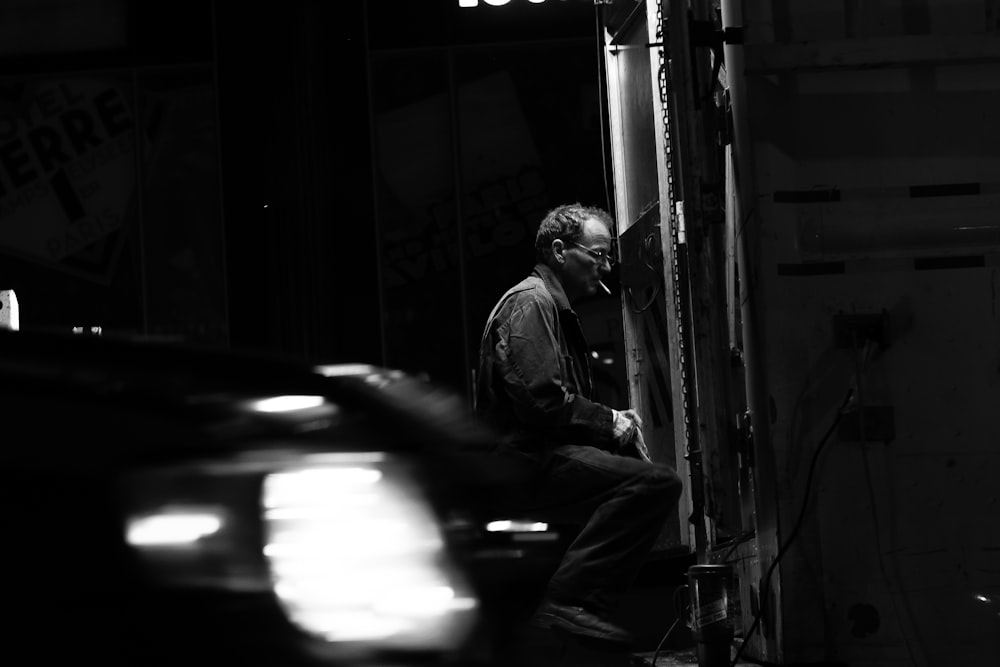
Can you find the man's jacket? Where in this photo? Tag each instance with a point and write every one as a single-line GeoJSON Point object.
{"type": "Point", "coordinates": [534, 381]}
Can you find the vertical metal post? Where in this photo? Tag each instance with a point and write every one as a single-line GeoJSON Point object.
{"type": "Point", "coordinates": [686, 211]}
{"type": "Point", "coordinates": [140, 217]}
{"type": "Point", "coordinates": [219, 162]}
{"type": "Point", "coordinates": [700, 230]}
{"type": "Point", "coordinates": [377, 227]}
{"type": "Point", "coordinates": [456, 148]}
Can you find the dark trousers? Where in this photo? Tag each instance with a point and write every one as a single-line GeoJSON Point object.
{"type": "Point", "coordinates": [620, 503]}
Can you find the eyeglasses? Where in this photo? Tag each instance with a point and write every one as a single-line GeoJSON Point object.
{"type": "Point", "coordinates": [600, 255]}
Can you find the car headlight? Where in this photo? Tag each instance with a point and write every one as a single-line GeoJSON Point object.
{"type": "Point", "coordinates": [347, 542]}
{"type": "Point", "coordinates": [356, 554]}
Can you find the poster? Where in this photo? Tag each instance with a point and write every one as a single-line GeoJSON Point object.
{"type": "Point", "coordinates": [67, 173]}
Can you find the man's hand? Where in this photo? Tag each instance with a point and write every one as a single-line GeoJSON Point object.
{"type": "Point", "coordinates": [623, 423]}
{"type": "Point", "coordinates": [640, 446]}
{"type": "Point", "coordinates": [628, 433]}
{"type": "Point", "coordinates": [634, 416]}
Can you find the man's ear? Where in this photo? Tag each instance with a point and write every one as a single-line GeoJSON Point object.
{"type": "Point", "coordinates": [558, 248]}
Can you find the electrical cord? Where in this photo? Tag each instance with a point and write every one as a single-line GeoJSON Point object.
{"type": "Point", "coordinates": [644, 252]}
{"type": "Point", "coordinates": [860, 359]}
{"type": "Point", "coordinates": [659, 647]}
{"type": "Point", "coordinates": [601, 93]}
{"type": "Point", "coordinates": [679, 613]}
{"type": "Point", "coordinates": [765, 585]}
{"type": "Point", "coordinates": [649, 302]}
{"type": "Point", "coordinates": [742, 538]}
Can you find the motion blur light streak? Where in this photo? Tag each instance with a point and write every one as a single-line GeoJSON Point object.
{"type": "Point", "coordinates": [173, 528]}
{"type": "Point", "coordinates": [509, 526]}
{"type": "Point", "coordinates": [417, 601]}
{"type": "Point", "coordinates": [356, 555]}
{"type": "Point", "coordinates": [340, 370]}
{"type": "Point", "coordinates": [307, 487]}
{"type": "Point", "coordinates": [287, 403]}
{"type": "Point", "coordinates": [494, 3]}
{"type": "Point", "coordinates": [343, 526]}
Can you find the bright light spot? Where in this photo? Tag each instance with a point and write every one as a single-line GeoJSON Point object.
{"type": "Point", "coordinates": [307, 490]}
{"type": "Point", "coordinates": [357, 555]}
{"type": "Point", "coordinates": [983, 598]}
{"type": "Point", "coordinates": [607, 361]}
{"type": "Point", "coordinates": [417, 601]}
{"type": "Point", "coordinates": [508, 526]}
{"type": "Point", "coordinates": [494, 3]}
{"type": "Point", "coordinates": [343, 459]}
{"type": "Point", "coordinates": [594, 354]}
{"type": "Point", "coordinates": [173, 528]}
{"type": "Point", "coordinates": [287, 403]}
{"type": "Point", "coordinates": [335, 370]}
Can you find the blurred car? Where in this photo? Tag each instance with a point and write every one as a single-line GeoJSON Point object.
{"type": "Point", "coordinates": [171, 504]}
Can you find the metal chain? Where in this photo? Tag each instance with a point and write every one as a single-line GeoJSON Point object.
{"type": "Point", "coordinates": [674, 230]}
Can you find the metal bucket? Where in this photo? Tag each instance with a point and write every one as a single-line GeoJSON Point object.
{"type": "Point", "coordinates": [712, 619]}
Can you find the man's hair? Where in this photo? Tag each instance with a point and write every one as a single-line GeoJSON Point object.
{"type": "Point", "coordinates": [566, 222]}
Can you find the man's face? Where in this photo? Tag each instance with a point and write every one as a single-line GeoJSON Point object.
{"type": "Point", "coordinates": [580, 270]}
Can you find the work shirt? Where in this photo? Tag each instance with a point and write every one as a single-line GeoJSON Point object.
{"type": "Point", "coordinates": [534, 383]}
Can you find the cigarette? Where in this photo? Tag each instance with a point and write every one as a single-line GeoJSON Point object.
{"type": "Point", "coordinates": [604, 287]}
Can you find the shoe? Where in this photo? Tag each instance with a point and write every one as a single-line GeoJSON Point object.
{"type": "Point", "coordinates": [577, 621]}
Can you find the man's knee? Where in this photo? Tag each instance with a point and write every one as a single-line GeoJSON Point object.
{"type": "Point", "coordinates": [667, 484]}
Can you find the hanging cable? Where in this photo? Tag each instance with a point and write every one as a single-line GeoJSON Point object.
{"type": "Point", "coordinates": [601, 93]}
{"type": "Point", "coordinates": [678, 613]}
{"type": "Point", "coordinates": [644, 253]}
{"type": "Point", "coordinates": [860, 360]}
{"type": "Point", "coordinates": [765, 584]}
